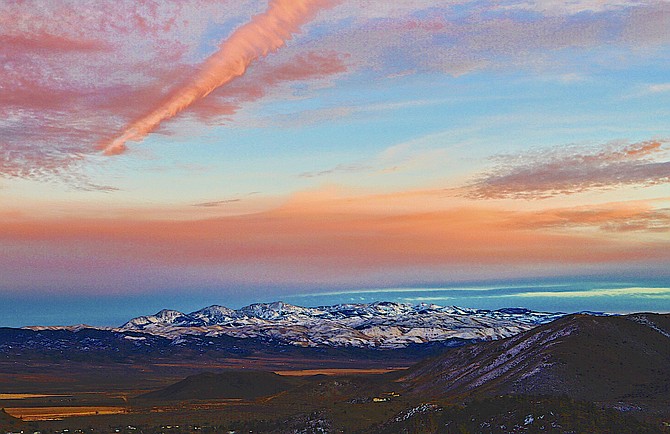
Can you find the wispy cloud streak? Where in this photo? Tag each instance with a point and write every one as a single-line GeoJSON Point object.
{"type": "Point", "coordinates": [539, 175]}
{"type": "Point", "coordinates": [265, 33]}
{"type": "Point", "coordinates": [634, 292]}
{"type": "Point", "coordinates": [605, 218]}
{"type": "Point", "coordinates": [216, 203]}
{"type": "Point", "coordinates": [255, 85]}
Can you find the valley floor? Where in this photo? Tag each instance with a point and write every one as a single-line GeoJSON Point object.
{"type": "Point", "coordinates": [108, 398]}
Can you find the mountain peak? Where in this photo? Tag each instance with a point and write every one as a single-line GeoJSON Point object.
{"type": "Point", "coordinates": [168, 314]}
{"type": "Point", "coordinates": [162, 317]}
{"type": "Point", "coordinates": [214, 314]}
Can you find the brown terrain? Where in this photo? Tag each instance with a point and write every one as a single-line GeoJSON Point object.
{"type": "Point", "coordinates": [577, 374]}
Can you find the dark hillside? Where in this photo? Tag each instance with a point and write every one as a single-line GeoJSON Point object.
{"type": "Point", "coordinates": [591, 358]}
{"type": "Point", "coordinates": [9, 422]}
{"type": "Point", "coordinates": [226, 385]}
{"type": "Point", "coordinates": [516, 414]}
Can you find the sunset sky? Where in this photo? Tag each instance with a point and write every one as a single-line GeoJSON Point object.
{"type": "Point", "coordinates": [180, 154]}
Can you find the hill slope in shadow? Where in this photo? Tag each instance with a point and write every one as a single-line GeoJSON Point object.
{"type": "Point", "coordinates": [591, 358]}
{"type": "Point", "coordinates": [234, 384]}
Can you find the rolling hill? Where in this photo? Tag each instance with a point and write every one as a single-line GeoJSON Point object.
{"type": "Point", "coordinates": [234, 384]}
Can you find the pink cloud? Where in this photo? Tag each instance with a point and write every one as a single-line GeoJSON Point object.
{"type": "Point", "coordinates": [538, 175]}
{"type": "Point", "coordinates": [73, 74]}
{"type": "Point", "coordinates": [308, 66]}
{"type": "Point", "coordinates": [12, 45]}
{"type": "Point", "coordinates": [481, 37]}
{"type": "Point", "coordinates": [268, 76]}
{"type": "Point", "coordinates": [95, 68]}
{"type": "Point", "coordinates": [264, 34]}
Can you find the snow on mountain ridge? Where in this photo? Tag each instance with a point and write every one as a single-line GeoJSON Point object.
{"type": "Point", "coordinates": [214, 314]}
{"type": "Point", "coordinates": [163, 317]}
{"type": "Point", "coordinates": [275, 311]}
{"type": "Point", "coordinates": [377, 325]}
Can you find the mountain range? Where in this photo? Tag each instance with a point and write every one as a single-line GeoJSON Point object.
{"type": "Point", "coordinates": [376, 325]}
{"type": "Point", "coordinates": [399, 334]}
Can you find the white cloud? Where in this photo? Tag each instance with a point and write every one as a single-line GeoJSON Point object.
{"type": "Point", "coordinates": [658, 88]}
{"type": "Point", "coordinates": [629, 292]}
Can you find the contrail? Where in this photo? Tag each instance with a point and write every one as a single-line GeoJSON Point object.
{"type": "Point", "coordinates": [264, 34]}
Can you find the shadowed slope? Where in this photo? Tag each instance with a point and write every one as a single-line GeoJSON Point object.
{"type": "Point", "coordinates": [8, 421]}
{"type": "Point", "coordinates": [516, 414]}
{"type": "Point", "coordinates": [585, 357]}
{"type": "Point", "coordinates": [226, 385]}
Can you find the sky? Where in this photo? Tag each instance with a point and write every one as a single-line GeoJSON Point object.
{"type": "Point", "coordinates": [181, 154]}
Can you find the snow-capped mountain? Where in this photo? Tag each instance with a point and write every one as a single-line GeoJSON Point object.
{"type": "Point", "coordinates": [375, 325]}
{"type": "Point", "coordinates": [164, 317]}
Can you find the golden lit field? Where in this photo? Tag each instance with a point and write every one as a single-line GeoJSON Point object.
{"type": "Point", "coordinates": [58, 413]}
{"type": "Point", "coordinates": [29, 396]}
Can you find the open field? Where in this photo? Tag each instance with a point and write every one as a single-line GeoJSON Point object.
{"type": "Point", "coordinates": [336, 371]}
{"type": "Point", "coordinates": [4, 396]}
{"type": "Point", "coordinates": [58, 413]}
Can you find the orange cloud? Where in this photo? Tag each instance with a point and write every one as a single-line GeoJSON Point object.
{"type": "Point", "coordinates": [644, 148]}
{"type": "Point", "coordinates": [330, 237]}
{"type": "Point", "coordinates": [608, 218]}
{"type": "Point", "coordinates": [264, 34]}
{"type": "Point", "coordinates": [339, 241]}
